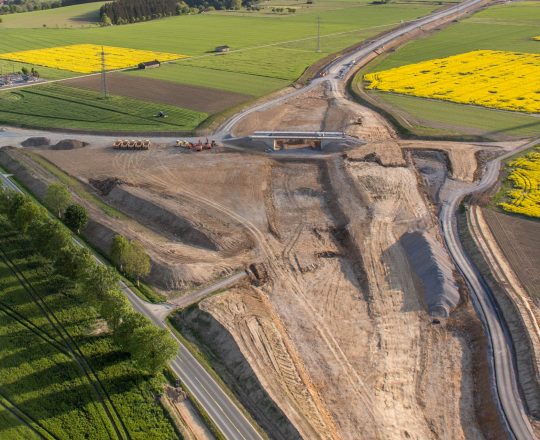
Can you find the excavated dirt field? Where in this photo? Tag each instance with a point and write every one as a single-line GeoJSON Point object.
{"type": "Point", "coordinates": [202, 99]}
{"type": "Point", "coordinates": [339, 335]}
{"type": "Point", "coordinates": [337, 330]}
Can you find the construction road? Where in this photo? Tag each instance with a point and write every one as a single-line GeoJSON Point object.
{"type": "Point", "coordinates": [502, 357]}
{"type": "Point", "coordinates": [229, 419]}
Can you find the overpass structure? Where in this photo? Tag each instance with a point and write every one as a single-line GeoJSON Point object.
{"type": "Point", "coordinates": [280, 140]}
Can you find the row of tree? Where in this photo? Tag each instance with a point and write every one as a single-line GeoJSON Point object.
{"type": "Point", "coordinates": [132, 11]}
{"type": "Point", "coordinates": [15, 6]}
{"type": "Point", "coordinates": [96, 284]}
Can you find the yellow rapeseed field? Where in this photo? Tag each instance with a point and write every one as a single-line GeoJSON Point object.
{"type": "Point", "coordinates": [86, 58]}
{"type": "Point", "coordinates": [497, 79]}
{"type": "Point", "coordinates": [524, 197]}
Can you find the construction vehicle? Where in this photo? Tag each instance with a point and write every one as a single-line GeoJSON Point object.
{"type": "Point", "coordinates": [124, 144]}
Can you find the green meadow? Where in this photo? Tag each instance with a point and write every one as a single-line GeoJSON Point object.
{"type": "Point", "coordinates": [501, 27]}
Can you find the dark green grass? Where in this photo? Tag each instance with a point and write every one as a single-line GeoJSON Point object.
{"type": "Point", "coordinates": [46, 383]}
{"type": "Point", "coordinates": [13, 429]}
{"type": "Point", "coordinates": [56, 106]}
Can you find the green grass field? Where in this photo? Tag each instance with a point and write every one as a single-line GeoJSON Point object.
{"type": "Point", "coordinates": [269, 52]}
{"type": "Point", "coordinates": [70, 16]}
{"type": "Point", "coordinates": [56, 106]}
{"type": "Point", "coordinates": [197, 35]}
{"type": "Point", "coordinates": [46, 383]}
{"type": "Point", "coordinates": [501, 27]}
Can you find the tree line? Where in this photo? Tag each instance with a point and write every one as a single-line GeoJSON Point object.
{"type": "Point", "coordinates": [150, 347]}
{"type": "Point", "coordinates": [15, 6]}
{"type": "Point", "coordinates": [132, 11]}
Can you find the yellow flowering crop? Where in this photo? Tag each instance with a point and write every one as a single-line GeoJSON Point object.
{"type": "Point", "coordinates": [524, 197]}
{"type": "Point", "coordinates": [497, 79]}
{"type": "Point", "coordinates": [86, 58]}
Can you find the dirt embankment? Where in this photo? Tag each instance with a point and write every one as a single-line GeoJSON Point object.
{"type": "Point", "coordinates": [520, 312]}
{"type": "Point", "coordinates": [430, 262]}
{"type": "Point", "coordinates": [257, 385]}
{"type": "Point", "coordinates": [178, 262]}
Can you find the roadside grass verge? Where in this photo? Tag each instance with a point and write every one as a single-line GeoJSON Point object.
{"type": "Point", "coordinates": [58, 106]}
{"type": "Point", "coordinates": [45, 382]}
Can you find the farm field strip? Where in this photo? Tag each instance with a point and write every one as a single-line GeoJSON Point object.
{"type": "Point", "coordinates": [524, 178]}
{"type": "Point", "coordinates": [68, 107]}
{"type": "Point", "coordinates": [86, 58]}
{"type": "Point", "coordinates": [46, 383]}
{"type": "Point", "coordinates": [505, 80]}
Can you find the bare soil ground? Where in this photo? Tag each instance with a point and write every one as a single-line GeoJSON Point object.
{"type": "Point", "coordinates": [202, 99]}
{"type": "Point", "coordinates": [337, 332]}
{"type": "Point", "coordinates": [519, 239]}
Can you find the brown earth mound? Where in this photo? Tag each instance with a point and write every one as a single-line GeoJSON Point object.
{"type": "Point", "coordinates": [36, 142]}
{"type": "Point", "coordinates": [201, 99]}
{"type": "Point", "coordinates": [68, 144]}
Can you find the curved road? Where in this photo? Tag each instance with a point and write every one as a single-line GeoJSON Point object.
{"type": "Point", "coordinates": [502, 362]}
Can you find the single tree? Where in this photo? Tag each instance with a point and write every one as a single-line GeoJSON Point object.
{"type": "Point", "coordinates": [138, 262]}
{"type": "Point", "coordinates": [15, 201]}
{"type": "Point", "coordinates": [27, 213]}
{"type": "Point", "coordinates": [105, 20]}
{"type": "Point", "coordinates": [98, 283]}
{"type": "Point", "coordinates": [114, 308]}
{"type": "Point", "coordinates": [129, 324]}
{"type": "Point", "coordinates": [24, 70]}
{"type": "Point", "coordinates": [119, 251]}
{"type": "Point", "coordinates": [152, 348]}
{"type": "Point", "coordinates": [76, 217]}
{"type": "Point", "coordinates": [74, 262]}
{"type": "Point", "coordinates": [57, 198]}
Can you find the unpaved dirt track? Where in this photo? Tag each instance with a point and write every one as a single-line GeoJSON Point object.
{"type": "Point", "coordinates": [512, 406]}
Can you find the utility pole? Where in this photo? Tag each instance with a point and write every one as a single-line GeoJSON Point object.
{"type": "Point", "coordinates": [318, 34]}
{"type": "Point", "coordinates": [104, 90]}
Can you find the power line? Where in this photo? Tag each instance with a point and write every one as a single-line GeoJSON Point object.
{"type": "Point", "coordinates": [318, 34]}
{"type": "Point", "coordinates": [104, 89]}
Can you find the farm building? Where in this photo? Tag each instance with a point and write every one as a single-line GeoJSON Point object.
{"type": "Point", "coordinates": [149, 64]}
{"type": "Point", "coordinates": [222, 49]}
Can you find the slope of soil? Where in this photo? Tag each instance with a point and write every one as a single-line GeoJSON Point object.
{"type": "Point", "coordinates": [199, 326]}
{"type": "Point", "coordinates": [431, 264]}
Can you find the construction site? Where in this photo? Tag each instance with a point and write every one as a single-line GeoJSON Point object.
{"type": "Point", "coordinates": [353, 318]}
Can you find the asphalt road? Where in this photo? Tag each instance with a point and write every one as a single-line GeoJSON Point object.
{"type": "Point", "coordinates": [502, 360]}
{"type": "Point", "coordinates": [344, 63]}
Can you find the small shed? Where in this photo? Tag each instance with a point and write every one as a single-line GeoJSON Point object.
{"type": "Point", "coordinates": [149, 64]}
{"type": "Point", "coordinates": [222, 49]}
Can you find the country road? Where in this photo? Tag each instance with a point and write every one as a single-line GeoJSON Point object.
{"type": "Point", "coordinates": [221, 409]}
{"type": "Point", "coordinates": [502, 362]}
